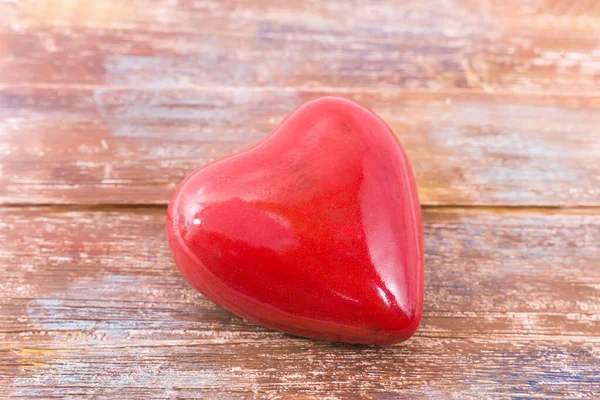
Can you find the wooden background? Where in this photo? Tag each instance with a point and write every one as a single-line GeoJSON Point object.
{"type": "Point", "coordinates": [106, 105]}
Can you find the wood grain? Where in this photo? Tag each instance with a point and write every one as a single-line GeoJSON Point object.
{"type": "Point", "coordinates": [434, 45]}
{"type": "Point", "coordinates": [115, 145]}
{"type": "Point", "coordinates": [115, 102]}
{"type": "Point", "coordinates": [106, 105]}
{"type": "Point", "coordinates": [92, 305]}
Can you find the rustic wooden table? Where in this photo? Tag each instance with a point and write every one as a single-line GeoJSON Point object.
{"type": "Point", "coordinates": [106, 105]}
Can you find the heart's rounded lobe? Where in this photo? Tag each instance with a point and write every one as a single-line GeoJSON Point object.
{"type": "Point", "coordinates": [315, 231]}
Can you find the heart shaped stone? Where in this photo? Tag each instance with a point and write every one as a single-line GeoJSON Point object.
{"type": "Point", "coordinates": [316, 231]}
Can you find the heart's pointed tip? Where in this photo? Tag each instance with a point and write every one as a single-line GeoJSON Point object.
{"type": "Point", "coordinates": [371, 335]}
{"type": "Point", "coordinates": [394, 325]}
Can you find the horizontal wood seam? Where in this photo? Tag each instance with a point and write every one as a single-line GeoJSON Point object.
{"type": "Point", "coordinates": [381, 90]}
{"type": "Point", "coordinates": [67, 207]}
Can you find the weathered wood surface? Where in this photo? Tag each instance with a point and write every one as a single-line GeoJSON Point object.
{"type": "Point", "coordinates": [93, 305]}
{"type": "Point", "coordinates": [113, 102]}
{"type": "Point", "coordinates": [495, 45]}
{"type": "Point", "coordinates": [106, 104]}
{"type": "Point", "coordinates": [121, 145]}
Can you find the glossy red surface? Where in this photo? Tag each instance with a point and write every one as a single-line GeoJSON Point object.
{"type": "Point", "coordinates": [315, 231]}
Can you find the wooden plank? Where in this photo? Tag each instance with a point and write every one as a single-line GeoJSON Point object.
{"type": "Point", "coordinates": [92, 305]}
{"type": "Point", "coordinates": [409, 45]}
{"type": "Point", "coordinates": [118, 145]}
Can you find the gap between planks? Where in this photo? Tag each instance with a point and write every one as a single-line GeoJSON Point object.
{"type": "Point", "coordinates": [382, 90]}
{"type": "Point", "coordinates": [498, 208]}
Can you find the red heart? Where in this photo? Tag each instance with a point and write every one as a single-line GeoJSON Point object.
{"type": "Point", "coordinates": [315, 231]}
